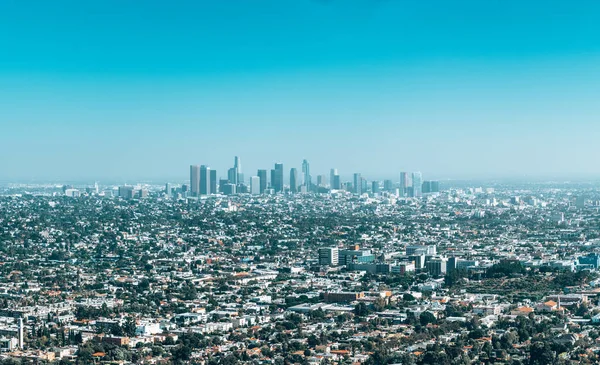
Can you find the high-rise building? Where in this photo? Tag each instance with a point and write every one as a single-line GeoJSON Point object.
{"type": "Point", "coordinates": [426, 187]}
{"type": "Point", "coordinates": [293, 180]}
{"type": "Point", "coordinates": [306, 179]}
{"type": "Point", "coordinates": [320, 180]}
{"type": "Point", "coordinates": [405, 183]}
{"type": "Point", "coordinates": [332, 174]}
{"type": "Point", "coordinates": [222, 183]}
{"type": "Point", "coordinates": [375, 187]}
{"type": "Point", "coordinates": [328, 256]}
{"type": "Point", "coordinates": [237, 165]}
{"type": "Point", "coordinates": [204, 180]}
{"type": "Point", "coordinates": [213, 181]}
{"type": "Point", "coordinates": [417, 184]}
{"type": "Point", "coordinates": [435, 186]}
{"type": "Point", "coordinates": [278, 178]}
{"type": "Point", "coordinates": [358, 184]}
{"type": "Point", "coordinates": [195, 180]}
{"type": "Point", "coordinates": [262, 175]}
{"type": "Point", "coordinates": [436, 267]}
{"type": "Point", "coordinates": [255, 185]}
{"type": "Point", "coordinates": [336, 184]}
{"type": "Point", "coordinates": [168, 190]}
{"type": "Point", "coordinates": [232, 176]}
{"type": "Point", "coordinates": [388, 185]}
{"type": "Point", "coordinates": [229, 189]}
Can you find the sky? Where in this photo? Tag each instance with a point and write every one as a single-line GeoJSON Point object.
{"type": "Point", "coordinates": [126, 90]}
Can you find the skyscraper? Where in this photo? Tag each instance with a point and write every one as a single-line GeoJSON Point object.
{"type": "Point", "coordinates": [237, 165]}
{"type": "Point", "coordinates": [321, 180]}
{"type": "Point", "coordinates": [195, 180]}
{"type": "Point", "coordinates": [278, 177]}
{"type": "Point", "coordinates": [405, 183]}
{"type": "Point", "coordinates": [417, 184]}
{"type": "Point", "coordinates": [213, 181]}
{"type": "Point", "coordinates": [232, 176]}
{"type": "Point", "coordinates": [262, 175]}
{"type": "Point", "coordinates": [375, 187]}
{"type": "Point", "coordinates": [255, 185]}
{"type": "Point", "coordinates": [294, 180]}
{"type": "Point", "coordinates": [332, 174]}
{"type": "Point", "coordinates": [204, 180]}
{"type": "Point", "coordinates": [306, 179]}
{"type": "Point", "coordinates": [336, 183]}
{"type": "Point", "coordinates": [357, 183]}
{"type": "Point", "coordinates": [388, 185]}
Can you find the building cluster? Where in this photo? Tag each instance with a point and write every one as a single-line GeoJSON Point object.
{"type": "Point", "coordinates": [203, 181]}
{"type": "Point", "coordinates": [505, 274]}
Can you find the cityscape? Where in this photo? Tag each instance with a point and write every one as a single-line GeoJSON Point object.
{"type": "Point", "coordinates": [306, 182]}
{"type": "Point", "coordinates": [330, 272]}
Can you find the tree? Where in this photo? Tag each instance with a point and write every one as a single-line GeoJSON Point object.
{"type": "Point", "coordinates": [541, 353]}
{"type": "Point", "coordinates": [361, 310]}
{"type": "Point", "coordinates": [426, 318]}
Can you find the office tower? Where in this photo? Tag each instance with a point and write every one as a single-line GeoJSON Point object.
{"type": "Point", "coordinates": [306, 179]}
{"type": "Point", "coordinates": [417, 180]}
{"type": "Point", "coordinates": [242, 189]}
{"type": "Point", "coordinates": [405, 183]}
{"type": "Point", "coordinates": [222, 183]}
{"type": "Point", "coordinates": [375, 187]}
{"type": "Point", "coordinates": [388, 185]}
{"type": "Point", "coordinates": [237, 165]}
{"type": "Point", "coordinates": [278, 178]}
{"type": "Point", "coordinates": [255, 185]}
{"type": "Point", "coordinates": [232, 176]}
{"type": "Point", "coordinates": [357, 183]}
{"type": "Point", "coordinates": [273, 178]}
{"type": "Point", "coordinates": [332, 174]}
{"type": "Point", "coordinates": [435, 186]}
{"type": "Point", "coordinates": [293, 180]}
{"type": "Point", "coordinates": [126, 192]}
{"type": "Point", "coordinates": [194, 180]}
{"type": "Point", "coordinates": [436, 267]}
{"type": "Point", "coordinates": [184, 188]}
{"type": "Point", "coordinates": [335, 183]}
{"type": "Point", "coordinates": [451, 265]}
{"type": "Point", "coordinates": [262, 175]}
{"type": "Point", "coordinates": [328, 256]}
{"type": "Point", "coordinates": [213, 181]}
{"type": "Point", "coordinates": [229, 189]}
{"type": "Point", "coordinates": [364, 186]}
{"type": "Point", "coordinates": [321, 180]}
{"type": "Point", "coordinates": [168, 190]}
{"type": "Point", "coordinates": [426, 187]}
{"type": "Point", "coordinates": [204, 180]}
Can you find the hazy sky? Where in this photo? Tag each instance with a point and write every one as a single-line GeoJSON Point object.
{"type": "Point", "coordinates": [141, 89]}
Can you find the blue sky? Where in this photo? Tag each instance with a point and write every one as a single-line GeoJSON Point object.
{"type": "Point", "coordinates": [141, 89]}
